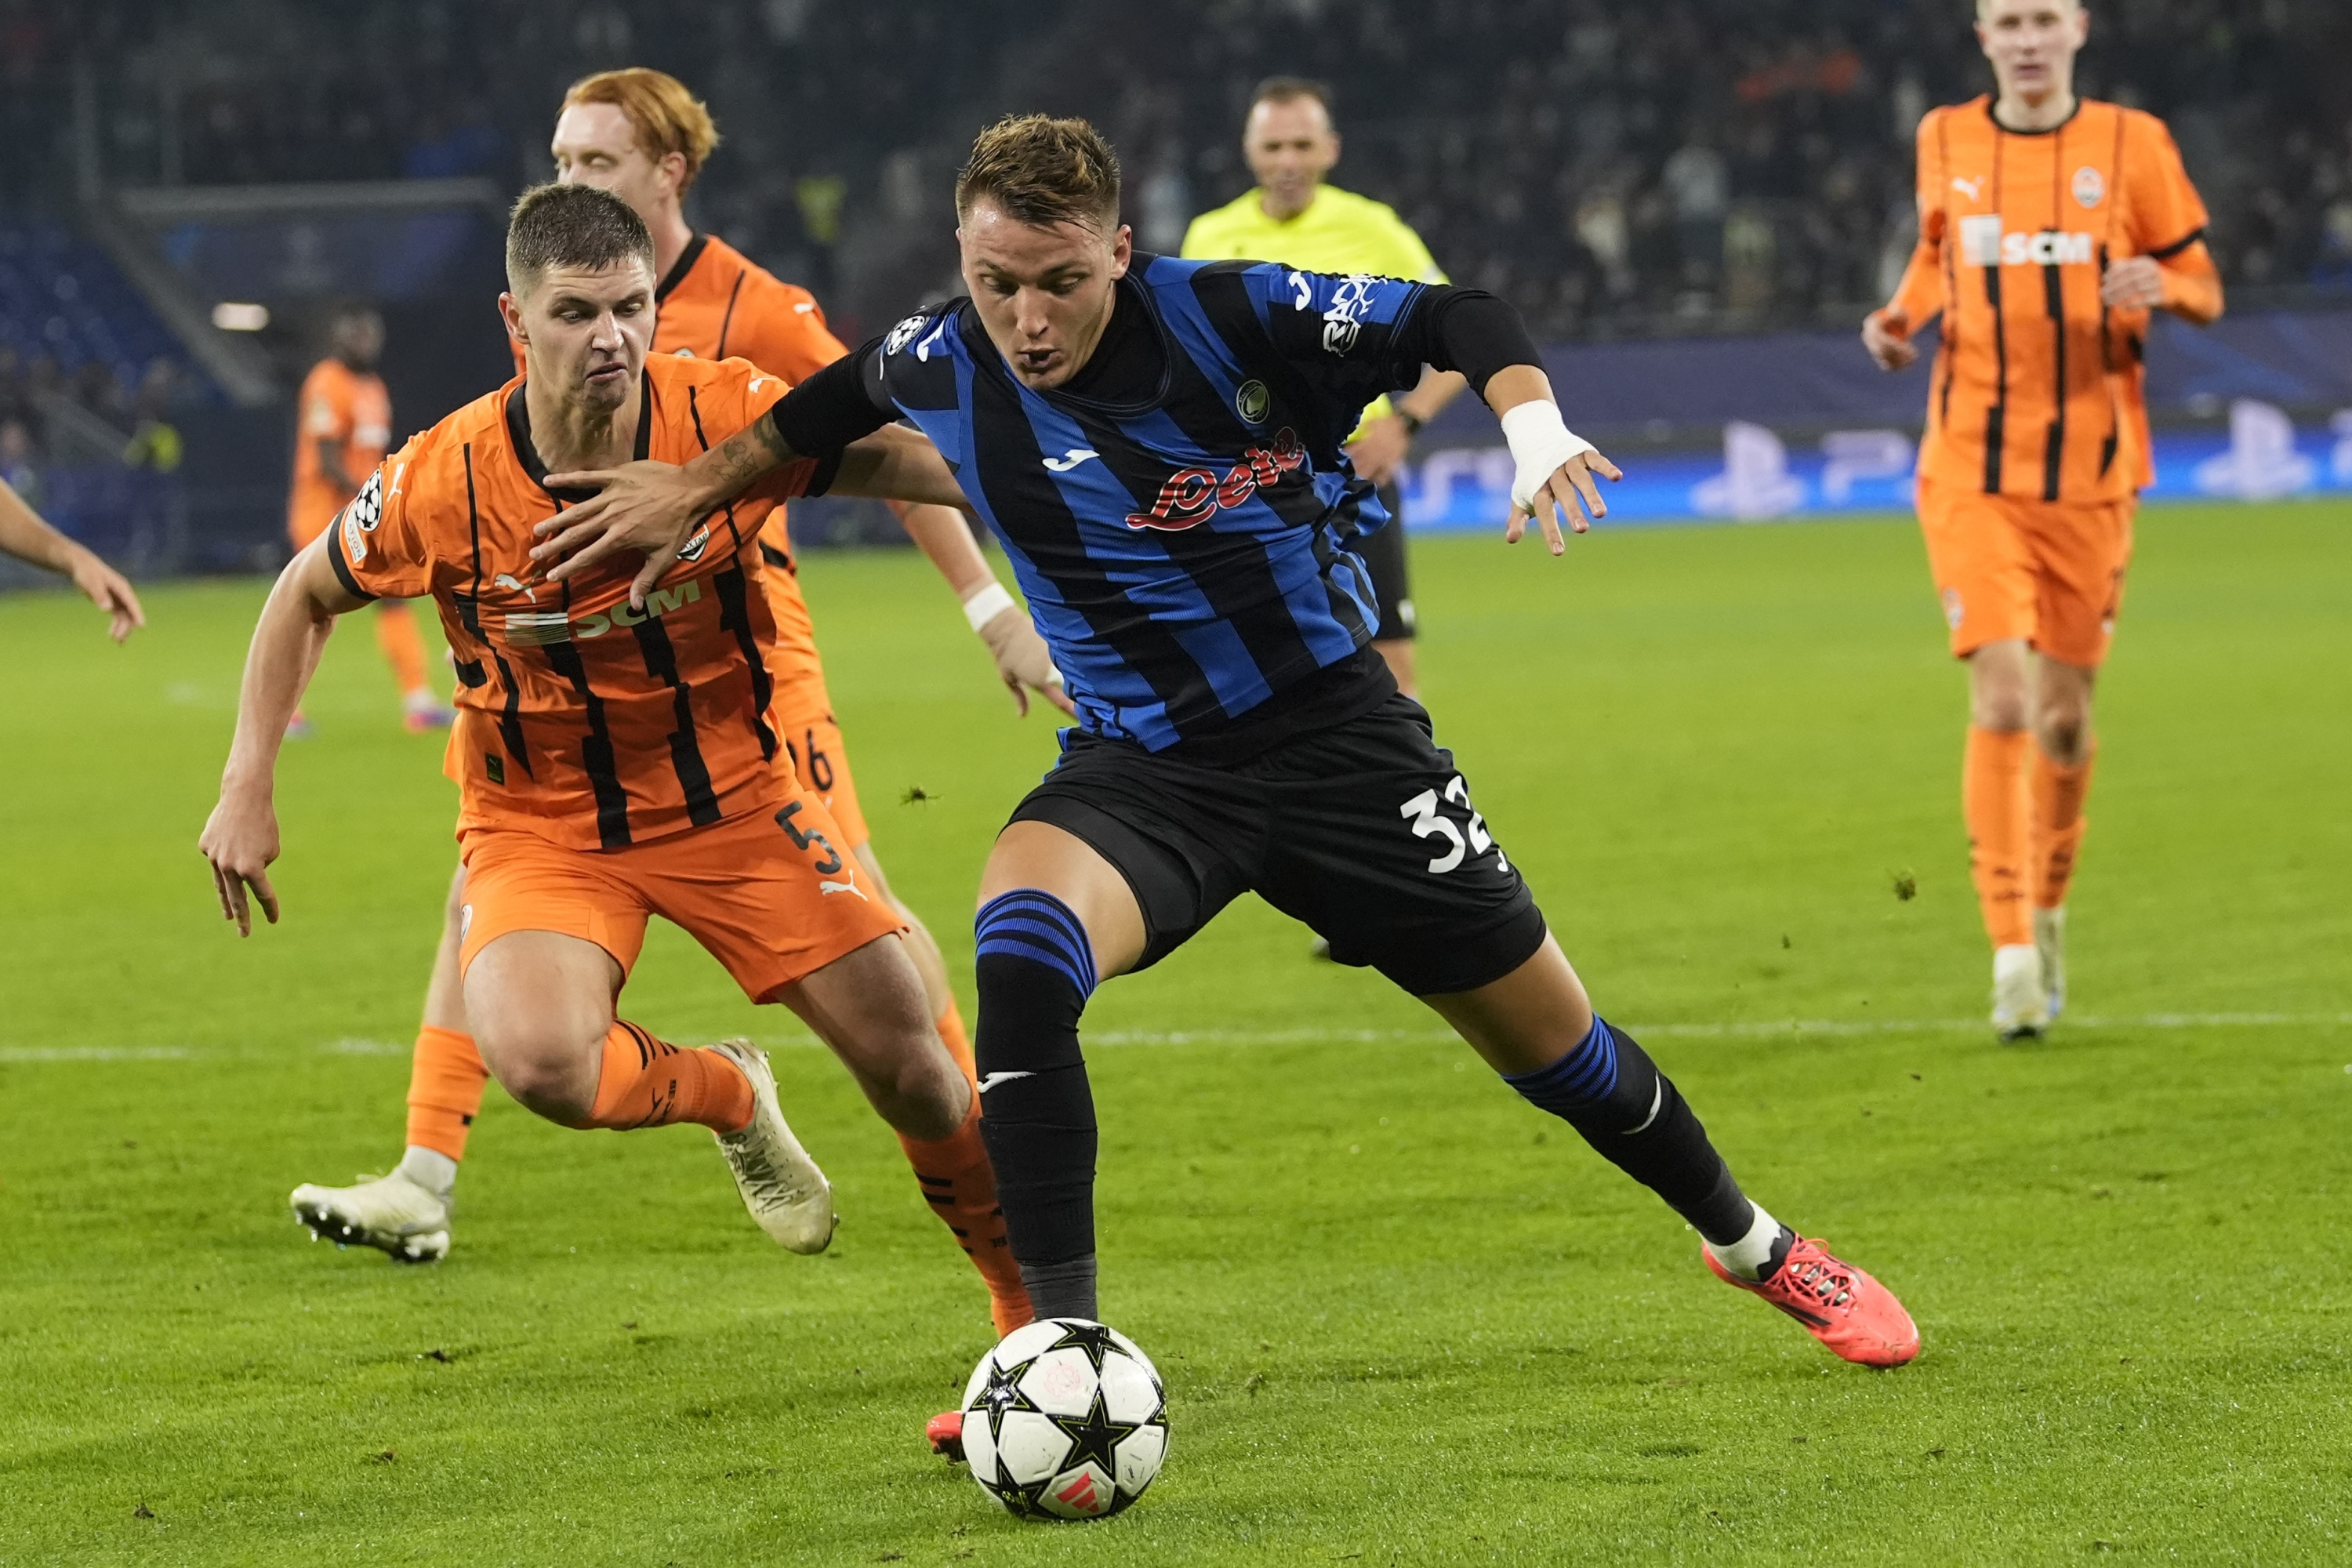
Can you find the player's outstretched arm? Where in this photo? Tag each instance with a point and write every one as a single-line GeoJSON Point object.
{"type": "Point", "coordinates": [1471, 332]}
{"type": "Point", "coordinates": [651, 507]}
{"type": "Point", "coordinates": [25, 536]}
{"type": "Point", "coordinates": [1552, 466]}
{"type": "Point", "coordinates": [240, 839]}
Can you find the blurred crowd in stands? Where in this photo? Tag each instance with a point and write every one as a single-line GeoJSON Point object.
{"type": "Point", "coordinates": [1681, 164]}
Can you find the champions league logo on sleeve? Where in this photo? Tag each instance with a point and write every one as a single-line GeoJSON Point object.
{"type": "Point", "coordinates": [361, 518]}
{"type": "Point", "coordinates": [367, 507]}
{"type": "Point", "coordinates": [903, 333]}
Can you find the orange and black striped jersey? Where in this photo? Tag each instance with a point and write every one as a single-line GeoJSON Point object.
{"type": "Point", "coordinates": [715, 303]}
{"type": "Point", "coordinates": [2036, 391]}
{"type": "Point", "coordinates": [580, 718]}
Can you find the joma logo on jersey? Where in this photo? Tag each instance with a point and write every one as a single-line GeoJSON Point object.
{"type": "Point", "coordinates": [1983, 243]}
{"type": "Point", "coordinates": [536, 629]}
{"type": "Point", "coordinates": [1192, 496]}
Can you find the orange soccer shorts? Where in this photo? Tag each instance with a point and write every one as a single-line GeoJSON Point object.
{"type": "Point", "coordinates": [772, 894]}
{"type": "Point", "coordinates": [820, 760]}
{"type": "Point", "coordinates": [2051, 573]}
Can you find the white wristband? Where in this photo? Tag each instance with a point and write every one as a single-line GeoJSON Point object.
{"type": "Point", "coordinates": [986, 605]}
{"type": "Point", "coordinates": [1540, 444]}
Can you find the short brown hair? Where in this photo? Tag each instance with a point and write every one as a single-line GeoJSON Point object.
{"type": "Point", "coordinates": [668, 118]}
{"type": "Point", "coordinates": [1042, 172]}
{"type": "Point", "coordinates": [572, 226]}
{"type": "Point", "coordinates": [1292, 90]}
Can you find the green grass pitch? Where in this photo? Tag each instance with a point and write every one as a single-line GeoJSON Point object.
{"type": "Point", "coordinates": [1404, 1317]}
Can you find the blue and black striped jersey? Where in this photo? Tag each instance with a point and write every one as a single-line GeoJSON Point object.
{"type": "Point", "coordinates": [1180, 550]}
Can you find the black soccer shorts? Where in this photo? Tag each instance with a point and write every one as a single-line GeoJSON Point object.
{"type": "Point", "coordinates": [1364, 831]}
{"type": "Point", "coordinates": [1383, 553]}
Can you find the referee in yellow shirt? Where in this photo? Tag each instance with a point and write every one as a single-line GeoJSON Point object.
{"type": "Point", "coordinates": [1293, 218]}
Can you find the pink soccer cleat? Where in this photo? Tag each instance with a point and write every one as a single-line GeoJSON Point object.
{"type": "Point", "coordinates": [1856, 1316]}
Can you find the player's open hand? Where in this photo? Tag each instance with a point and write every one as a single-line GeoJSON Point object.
{"type": "Point", "coordinates": [646, 506]}
{"type": "Point", "coordinates": [1024, 662]}
{"type": "Point", "coordinates": [1887, 335]}
{"type": "Point", "coordinates": [240, 839]}
{"type": "Point", "coordinates": [111, 592]}
{"type": "Point", "coordinates": [1568, 490]}
{"type": "Point", "coordinates": [2134, 283]}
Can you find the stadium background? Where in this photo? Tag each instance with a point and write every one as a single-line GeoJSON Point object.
{"type": "Point", "coordinates": [1694, 202]}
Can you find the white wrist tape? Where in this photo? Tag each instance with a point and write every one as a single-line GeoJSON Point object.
{"type": "Point", "coordinates": [1540, 443]}
{"type": "Point", "coordinates": [986, 606]}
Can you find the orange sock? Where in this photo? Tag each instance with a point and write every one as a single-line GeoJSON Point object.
{"type": "Point", "coordinates": [1998, 807]}
{"type": "Point", "coordinates": [403, 646]}
{"type": "Point", "coordinates": [649, 1082]}
{"type": "Point", "coordinates": [446, 1075]}
{"type": "Point", "coordinates": [960, 1186]}
{"type": "Point", "coordinates": [2058, 824]}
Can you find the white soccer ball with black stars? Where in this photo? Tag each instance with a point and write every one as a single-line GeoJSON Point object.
{"type": "Point", "coordinates": [1065, 1419]}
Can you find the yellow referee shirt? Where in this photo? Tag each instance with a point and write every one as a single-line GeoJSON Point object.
{"type": "Point", "coordinates": [1338, 231]}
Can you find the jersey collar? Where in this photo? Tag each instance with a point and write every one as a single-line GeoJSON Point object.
{"type": "Point", "coordinates": [681, 266]}
{"type": "Point", "coordinates": [1993, 114]}
{"type": "Point", "coordinates": [527, 455]}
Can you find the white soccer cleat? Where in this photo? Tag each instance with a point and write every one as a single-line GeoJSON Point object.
{"type": "Point", "coordinates": [390, 1214]}
{"type": "Point", "coordinates": [2021, 1008]}
{"type": "Point", "coordinates": [781, 1184]}
{"type": "Point", "coordinates": [2050, 942]}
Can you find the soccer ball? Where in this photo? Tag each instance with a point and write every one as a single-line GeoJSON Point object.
{"type": "Point", "coordinates": [1065, 1419]}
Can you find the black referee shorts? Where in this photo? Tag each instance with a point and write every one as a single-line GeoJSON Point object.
{"type": "Point", "coordinates": [1363, 830]}
{"type": "Point", "coordinates": [1383, 552]}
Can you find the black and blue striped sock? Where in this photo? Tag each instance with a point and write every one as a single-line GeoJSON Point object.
{"type": "Point", "coordinates": [1036, 969]}
{"type": "Point", "coordinates": [1609, 1089]}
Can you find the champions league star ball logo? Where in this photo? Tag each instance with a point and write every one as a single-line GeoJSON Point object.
{"type": "Point", "coordinates": [902, 334]}
{"type": "Point", "coordinates": [1065, 1420]}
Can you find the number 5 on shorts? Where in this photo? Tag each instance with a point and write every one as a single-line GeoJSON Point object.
{"type": "Point", "coordinates": [832, 861]}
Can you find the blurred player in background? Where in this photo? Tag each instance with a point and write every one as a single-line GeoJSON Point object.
{"type": "Point", "coordinates": [2050, 226]}
{"type": "Point", "coordinates": [1295, 218]}
{"type": "Point", "coordinates": [641, 135]}
{"type": "Point", "coordinates": [612, 763]}
{"type": "Point", "coordinates": [23, 535]}
{"type": "Point", "coordinates": [344, 419]}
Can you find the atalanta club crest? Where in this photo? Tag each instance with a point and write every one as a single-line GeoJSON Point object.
{"type": "Point", "coordinates": [2090, 185]}
{"type": "Point", "coordinates": [1251, 402]}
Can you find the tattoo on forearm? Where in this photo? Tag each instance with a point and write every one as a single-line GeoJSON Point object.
{"type": "Point", "coordinates": [759, 448]}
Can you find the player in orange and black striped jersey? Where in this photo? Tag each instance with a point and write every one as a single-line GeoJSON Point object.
{"type": "Point", "coordinates": [615, 760]}
{"type": "Point", "coordinates": [641, 135]}
{"type": "Point", "coordinates": [2048, 227]}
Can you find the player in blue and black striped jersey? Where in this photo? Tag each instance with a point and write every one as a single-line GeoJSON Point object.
{"type": "Point", "coordinates": [1158, 444]}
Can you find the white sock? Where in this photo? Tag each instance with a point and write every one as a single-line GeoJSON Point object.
{"type": "Point", "coordinates": [1751, 1255]}
{"type": "Point", "coordinates": [436, 1171]}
